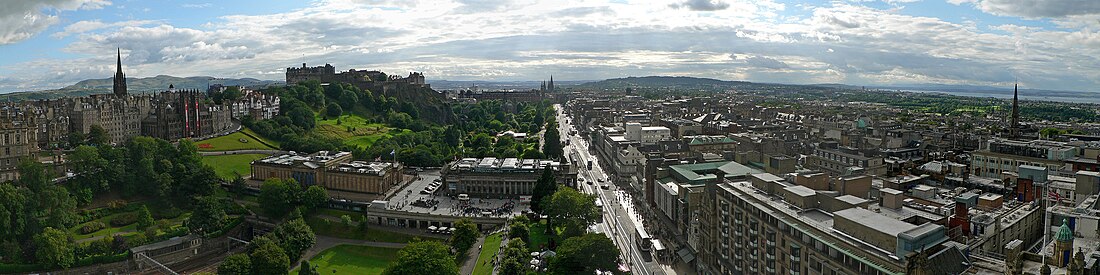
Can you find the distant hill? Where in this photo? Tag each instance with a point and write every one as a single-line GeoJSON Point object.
{"type": "Point", "coordinates": [657, 82]}
{"type": "Point", "coordinates": [498, 85]}
{"type": "Point", "coordinates": [137, 86]}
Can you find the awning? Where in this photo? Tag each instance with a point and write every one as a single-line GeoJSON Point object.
{"type": "Point", "coordinates": [686, 255]}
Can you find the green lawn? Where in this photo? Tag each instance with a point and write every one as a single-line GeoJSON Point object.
{"type": "Point", "coordinates": [355, 216]}
{"type": "Point", "coordinates": [353, 259]}
{"type": "Point", "coordinates": [337, 229]}
{"type": "Point", "coordinates": [352, 130]}
{"type": "Point", "coordinates": [488, 252]}
{"type": "Point", "coordinates": [262, 138]}
{"type": "Point", "coordinates": [231, 142]}
{"type": "Point", "coordinates": [228, 166]}
{"type": "Point", "coordinates": [538, 236]}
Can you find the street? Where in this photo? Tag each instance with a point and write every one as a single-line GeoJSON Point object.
{"type": "Point", "coordinates": [619, 215]}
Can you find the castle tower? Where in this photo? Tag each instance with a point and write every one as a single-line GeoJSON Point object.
{"type": "Point", "coordinates": [1063, 245]}
{"type": "Point", "coordinates": [120, 79]}
{"type": "Point", "coordinates": [1015, 111]}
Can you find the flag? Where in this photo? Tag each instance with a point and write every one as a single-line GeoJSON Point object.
{"type": "Point", "coordinates": [393, 152]}
{"type": "Point", "coordinates": [1054, 195]}
{"type": "Point", "coordinates": [379, 158]}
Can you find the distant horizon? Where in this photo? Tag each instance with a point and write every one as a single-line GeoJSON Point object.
{"type": "Point", "coordinates": [1053, 44]}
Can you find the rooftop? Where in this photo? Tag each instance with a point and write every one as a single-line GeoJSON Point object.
{"type": "Point", "coordinates": [504, 165]}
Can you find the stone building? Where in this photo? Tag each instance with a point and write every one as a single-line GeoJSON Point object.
{"type": "Point", "coordinates": [333, 170]}
{"type": "Point", "coordinates": [375, 81]}
{"type": "Point", "coordinates": [502, 178]}
{"type": "Point", "coordinates": [18, 140]}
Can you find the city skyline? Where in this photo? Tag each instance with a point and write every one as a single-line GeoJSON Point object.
{"type": "Point", "coordinates": [1049, 45]}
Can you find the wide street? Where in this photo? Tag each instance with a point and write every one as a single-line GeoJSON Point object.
{"type": "Point", "coordinates": [619, 218]}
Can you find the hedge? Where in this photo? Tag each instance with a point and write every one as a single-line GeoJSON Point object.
{"type": "Point", "coordinates": [124, 219]}
{"type": "Point", "coordinates": [91, 227]}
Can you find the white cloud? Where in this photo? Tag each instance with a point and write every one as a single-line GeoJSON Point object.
{"type": "Point", "coordinates": [521, 40]}
{"type": "Point", "coordinates": [701, 5]}
{"type": "Point", "coordinates": [197, 6]}
{"type": "Point", "coordinates": [22, 19]}
{"type": "Point", "coordinates": [1035, 8]}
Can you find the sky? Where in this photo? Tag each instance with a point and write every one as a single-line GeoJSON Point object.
{"type": "Point", "coordinates": [1042, 44]}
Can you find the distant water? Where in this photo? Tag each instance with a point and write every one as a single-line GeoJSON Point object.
{"type": "Point", "coordinates": [1084, 99]}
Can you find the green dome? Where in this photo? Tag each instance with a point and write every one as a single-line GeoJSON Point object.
{"type": "Point", "coordinates": [1064, 233]}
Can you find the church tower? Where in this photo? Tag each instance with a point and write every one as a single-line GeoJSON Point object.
{"type": "Point", "coordinates": [1015, 111]}
{"type": "Point", "coordinates": [120, 79]}
{"type": "Point", "coordinates": [550, 86]}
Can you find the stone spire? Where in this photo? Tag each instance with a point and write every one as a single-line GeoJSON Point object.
{"type": "Point", "coordinates": [120, 78]}
{"type": "Point", "coordinates": [1015, 110]}
{"type": "Point", "coordinates": [550, 86]}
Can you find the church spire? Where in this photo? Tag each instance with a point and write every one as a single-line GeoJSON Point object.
{"type": "Point", "coordinates": [1015, 109]}
{"type": "Point", "coordinates": [120, 78]}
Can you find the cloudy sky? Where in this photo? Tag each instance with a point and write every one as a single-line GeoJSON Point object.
{"type": "Point", "coordinates": [1046, 44]}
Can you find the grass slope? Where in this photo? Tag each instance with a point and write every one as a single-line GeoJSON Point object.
{"type": "Point", "coordinates": [352, 130]}
{"type": "Point", "coordinates": [488, 253]}
{"type": "Point", "coordinates": [228, 166]}
{"type": "Point", "coordinates": [337, 229]}
{"type": "Point", "coordinates": [231, 142]}
{"type": "Point", "coordinates": [353, 259]}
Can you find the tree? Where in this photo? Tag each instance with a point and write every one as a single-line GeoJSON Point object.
{"type": "Point", "coordinates": [237, 186]}
{"type": "Point", "coordinates": [236, 264]}
{"type": "Point", "coordinates": [209, 216]}
{"type": "Point", "coordinates": [145, 219]}
{"type": "Point", "coordinates": [88, 169]}
{"type": "Point", "coordinates": [574, 210]}
{"type": "Point", "coordinates": [423, 257]}
{"type": "Point", "coordinates": [276, 197]}
{"type": "Point", "coordinates": [584, 255]}
{"type": "Point", "coordinates": [268, 257]}
{"type": "Point", "coordinates": [14, 213]}
{"type": "Point", "coordinates": [348, 99]}
{"type": "Point", "coordinates": [333, 110]}
{"type": "Point", "coordinates": [519, 230]}
{"type": "Point", "coordinates": [308, 269]}
{"type": "Point", "coordinates": [465, 235]}
{"type": "Point", "coordinates": [54, 248]}
{"type": "Point", "coordinates": [76, 138]}
{"type": "Point", "coordinates": [98, 136]}
{"type": "Point", "coordinates": [544, 187]}
{"type": "Point", "coordinates": [551, 144]}
{"type": "Point", "coordinates": [315, 196]}
{"type": "Point", "coordinates": [295, 237]}
{"type": "Point", "coordinates": [515, 258]}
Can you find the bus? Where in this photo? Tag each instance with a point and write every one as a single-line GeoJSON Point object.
{"type": "Point", "coordinates": [642, 238]}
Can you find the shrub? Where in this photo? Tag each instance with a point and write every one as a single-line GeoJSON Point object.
{"type": "Point", "coordinates": [116, 204]}
{"type": "Point", "coordinates": [124, 219]}
{"type": "Point", "coordinates": [91, 227]}
{"type": "Point", "coordinates": [167, 213]}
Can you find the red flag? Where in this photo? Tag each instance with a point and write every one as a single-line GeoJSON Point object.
{"type": "Point", "coordinates": [1054, 195]}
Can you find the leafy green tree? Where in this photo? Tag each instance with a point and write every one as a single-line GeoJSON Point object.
{"type": "Point", "coordinates": [465, 235]}
{"type": "Point", "coordinates": [308, 269]}
{"type": "Point", "coordinates": [519, 230]}
{"type": "Point", "coordinates": [584, 255]}
{"type": "Point", "coordinates": [423, 257]}
{"type": "Point", "coordinates": [315, 196]}
{"type": "Point", "coordinates": [268, 257]}
{"type": "Point", "coordinates": [295, 237]}
{"type": "Point", "coordinates": [208, 216]}
{"type": "Point", "coordinates": [98, 136]}
{"type": "Point", "coordinates": [544, 187]}
{"type": "Point", "coordinates": [236, 264]}
{"type": "Point", "coordinates": [551, 145]}
{"type": "Point", "coordinates": [54, 248]}
{"type": "Point", "coordinates": [574, 210]}
{"type": "Point", "coordinates": [276, 197]}
{"type": "Point", "coordinates": [237, 186]}
{"type": "Point", "coordinates": [333, 110]}
{"type": "Point", "coordinates": [14, 213]}
{"type": "Point", "coordinates": [514, 261]}
{"type": "Point", "coordinates": [145, 219]}
{"type": "Point", "coordinates": [76, 138]}
{"type": "Point", "coordinates": [89, 169]}
{"type": "Point", "coordinates": [348, 99]}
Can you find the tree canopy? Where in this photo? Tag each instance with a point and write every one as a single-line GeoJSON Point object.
{"type": "Point", "coordinates": [465, 235]}
{"type": "Point", "coordinates": [423, 257]}
{"type": "Point", "coordinates": [584, 255]}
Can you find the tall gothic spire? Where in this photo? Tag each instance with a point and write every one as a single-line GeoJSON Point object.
{"type": "Point", "coordinates": [1015, 109]}
{"type": "Point", "coordinates": [120, 78]}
